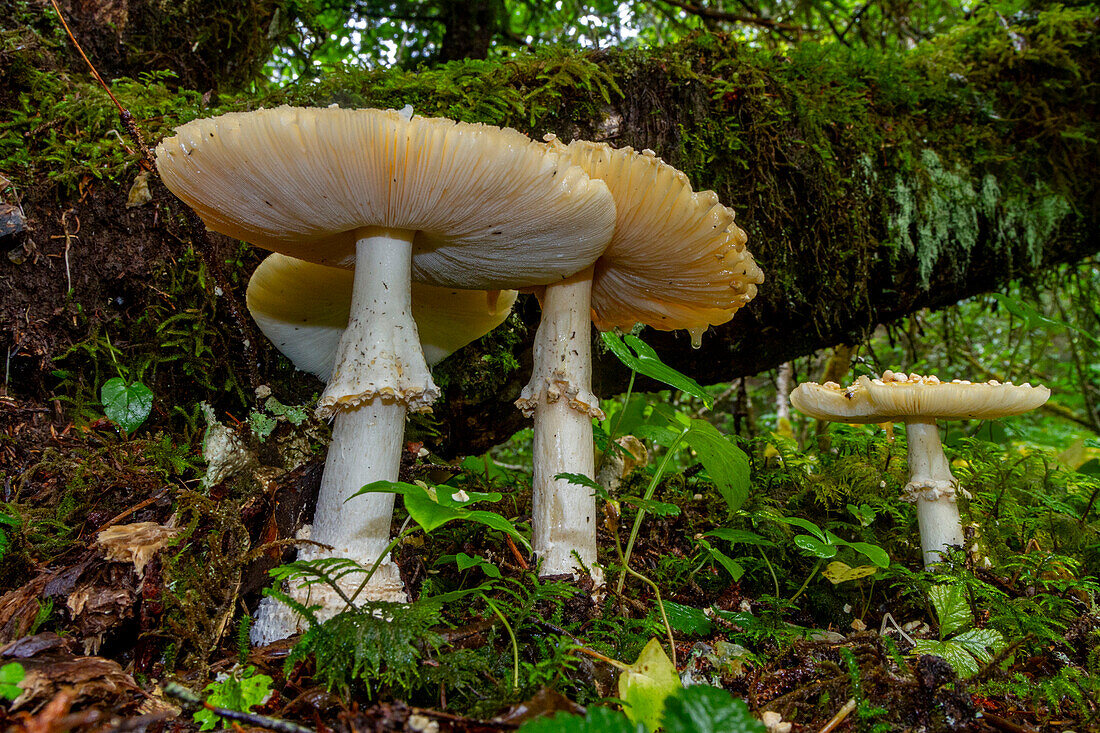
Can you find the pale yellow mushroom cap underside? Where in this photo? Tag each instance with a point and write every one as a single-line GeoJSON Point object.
{"type": "Point", "coordinates": [677, 259]}
{"type": "Point", "coordinates": [303, 308]}
{"type": "Point", "coordinates": [875, 400]}
{"type": "Point", "coordinates": [491, 208]}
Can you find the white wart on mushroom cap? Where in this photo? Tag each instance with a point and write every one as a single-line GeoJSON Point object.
{"type": "Point", "coordinates": [919, 401]}
{"type": "Point", "coordinates": [303, 308]}
{"type": "Point", "coordinates": [490, 208]}
{"type": "Point", "coordinates": [676, 260]}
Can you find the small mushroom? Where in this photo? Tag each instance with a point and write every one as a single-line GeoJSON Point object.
{"type": "Point", "coordinates": [918, 401]}
{"type": "Point", "coordinates": [676, 261]}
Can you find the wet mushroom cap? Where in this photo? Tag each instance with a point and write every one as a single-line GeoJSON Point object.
{"type": "Point", "coordinates": [303, 309]}
{"type": "Point", "coordinates": [677, 259]}
{"type": "Point", "coordinates": [491, 208]}
{"type": "Point", "coordinates": [895, 398]}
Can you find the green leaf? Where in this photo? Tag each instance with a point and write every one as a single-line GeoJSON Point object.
{"type": "Point", "coordinates": [952, 610]}
{"type": "Point", "coordinates": [465, 562]}
{"type": "Point", "coordinates": [732, 566]}
{"type": "Point", "coordinates": [726, 464]}
{"type": "Point", "coordinates": [956, 655]}
{"type": "Point", "coordinates": [687, 620]}
{"type": "Point", "coordinates": [814, 546]}
{"type": "Point", "coordinates": [598, 720]}
{"type": "Point", "coordinates": [581, 480]}
{"type": "Point", "coordinates": [242, 690]}
{"type": "Point", "coordinates": [706, 709]}
{"type": "Point", "coordinates": [658, 508]}
{"type": "Point", "coordinates": [874, 553]}
{"type": "Point", "coordinates": [431, 508]}
{"type": "Point", "coordinates": [11, 674]}
{"type": "Point", "coordinates": [644, 360]}
{"type": "Point", "coordinates": [647, 684]}
{"type": "Point", "coordinates": [126, 405]}
{"type": "Point", "coordinates": [804, 524]}
{"type": "Point", "coordinates": [740, 537]}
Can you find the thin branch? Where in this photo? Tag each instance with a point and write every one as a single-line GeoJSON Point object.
{"type": "Point", "coordinates": [734, 17]}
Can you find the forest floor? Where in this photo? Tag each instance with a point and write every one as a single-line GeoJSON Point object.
{"type": "Point", "coordinates": [133, 562]}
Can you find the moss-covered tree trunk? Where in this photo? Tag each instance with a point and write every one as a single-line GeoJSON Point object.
{"type": "Point", "coordinates": [870, 185]}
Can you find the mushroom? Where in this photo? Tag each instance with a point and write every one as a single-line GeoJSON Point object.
{"type": "Point", "coordinates": [918, 401]}
{"type": "Point", "coordinates": [303, 309]}
{"type": "Point", "coordinates": [396, 198]}
{"type": "Point", "coordinates": [676, 260]}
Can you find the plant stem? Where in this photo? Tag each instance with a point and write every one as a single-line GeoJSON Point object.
{"type": "Point", "coordinates": [512, 636]}
{"type": "Point", "coordinates": [771, 570]}
{"type": "Point", "coordinates": [806, 582]}
{"type": "Point", "coordinates": [656, 593]}
{"type": "Point", "coordinates": [625, 557]}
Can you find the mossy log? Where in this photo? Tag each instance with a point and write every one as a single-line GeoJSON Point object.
{"type": "Point", "coordinates": [870, 184]}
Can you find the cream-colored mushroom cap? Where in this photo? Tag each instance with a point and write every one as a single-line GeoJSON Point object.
{"type": "Point", "coordinates": [677, 259]}
{"type": "Point", "coordinates": [892, 400]}
{"type": "Point", "coordinates": [303, 308]}
{"type": "Point", "coordinates": [491, 208]}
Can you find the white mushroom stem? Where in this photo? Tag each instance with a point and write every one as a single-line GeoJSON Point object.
{"type": "Point", "coordinates": [560, 398]}
{"type": "Point", "coordinates": [932, 487]}
{"type": "Point", "coordinates": [379, 374]}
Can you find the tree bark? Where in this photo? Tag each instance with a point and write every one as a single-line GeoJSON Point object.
{"type": "Point", "coordinates": [868, 192]}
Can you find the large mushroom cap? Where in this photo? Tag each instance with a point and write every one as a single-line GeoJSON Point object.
{"type": "Point", "coordinates": [491, 208]}
{"type": "Point", "coordinates": [303, 308]}
{"type": "Point", "coordinates": [895, 399]}
{"type": "Point", "coordinates": [676, 260]}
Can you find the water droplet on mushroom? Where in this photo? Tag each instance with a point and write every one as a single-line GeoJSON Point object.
{"type": "Point", "coordinates": [697, 336]}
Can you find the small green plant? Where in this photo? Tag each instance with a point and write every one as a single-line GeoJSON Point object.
{"type": "Point", "coordinates": [962, 645]}
{"type": "Point", "coordinates": [263, 422]}
{"type": "Point", "coordinates": [7, 524]}
{"type": "Point", "coordinates": [694, 709]}
{"type": "Point", "coordinates": [11, 674]}
{"type": "Point", "coordinates": [126, 404]}
{"type": "Point", "coordinates": [242, 689]}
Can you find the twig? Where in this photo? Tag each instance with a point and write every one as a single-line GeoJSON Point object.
{"type": "Point", "coordinates": [840, 716]}
{"type": "Point", "coordinates": [734, 17]}
{"type": "Point", "coordinates": [516, 552]}
{"type": "Point", "coordinates": [178, 691]}
{"type": "Point", "coordinates": [147, 161]}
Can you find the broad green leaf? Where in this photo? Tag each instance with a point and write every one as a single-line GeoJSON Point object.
{"type": "Point", "coordinates": [126, 405]}
{"type": "Point", "coordinates": [837, 572]}
{"type": "Point", "coordinates": [732, 566]}
{"type": "Point", "coordinates": [956, 655]}
{"type": "Point", "coordinates": [659, 434]}
{"type": "Point", "coordinates": [874, 553]}
{"type": "Point", "coordinates": [644, 360]}
{"type": "Point", "coordinates": [465, 562]}
{"type": "Point", "coordinates": [804, 524]}
{"type": "Point", "coordinates": [242, 690]}
{"type": "Point", "coordinates": [687, 619]}
{"type": "Point", "coordinates": [647, 684]}
{"type": "Point", "coordinates": [706, 709]}
{"type": "Point", "coordinates": [598, 720]}
{"type": "Point", "coordinates": [982, 643]}
{"type": "Point", "coordinates": [652, 506]}
{"type": "Point", "coordinates": [11, 674]}
{"type": "Point", "coordinates": [726, 464]}
{"type": "Point", "coordinates": [432, 508]}
{"type": "Point", "coordinates": [814, 546]}
{"type": "Point", "coordinates": [740, 537]}
{"type": "Point", "coordinates": [952, 610]}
